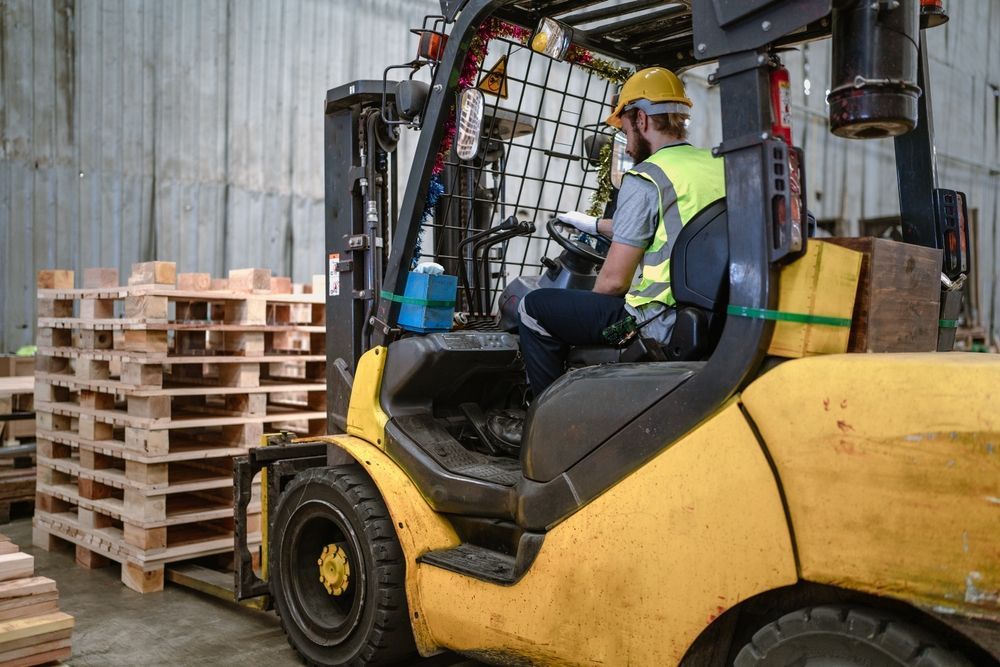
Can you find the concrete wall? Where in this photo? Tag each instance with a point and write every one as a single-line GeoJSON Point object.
{"type": "Point", "coordinates": [191, 130]}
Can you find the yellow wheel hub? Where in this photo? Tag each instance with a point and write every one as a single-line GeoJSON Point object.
{"type": "Point", "coordinates": [334, 570]}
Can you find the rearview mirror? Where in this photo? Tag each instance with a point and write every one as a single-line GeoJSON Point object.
{"type": "Point", "coordinates": [620, 161]}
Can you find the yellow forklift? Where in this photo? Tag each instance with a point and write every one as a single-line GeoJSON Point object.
{"type": "Point", "coordinates": [696, 503]}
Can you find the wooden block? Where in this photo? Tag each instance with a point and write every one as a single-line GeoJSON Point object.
{"type": "Point", "coordinates": [146, 341]}
{"type": "Point", "coordinates": [154, 407]}
{"type": "Point", "coordinates": [50, 422]}
{"type": "Point", "coordinates": [16, 566]}
{"type": "Point", "coordinates": [54, 308]}
{"type": "Point", "coordinates": [142, 375]}
{"type": "Point", "coordinates": [147, 539]}
{"type": "Point", "coordinates": [141, 580]}
{"type": "Point", "coordinates": [143, 508]}
{"type": "Point", "coordinates": [281, 285]}
{"type": "Point", "coordinates": [219, 284]}
{"type": "Point", "coordinates": [153, 273]}
{"type": "Point", "coordinates": [149, 442]}
{"type": "Point", "coordinates": [252, 310]}
{"type": "Point", "coordinates": [95, 278]}
{"type": "Point", "coordinates": [46, 541]}
{"type": "Point", "coordinates": [91, 369]}
{"type": "Point", "coordinates": [95, 339]}
{"type": "Point", "coordinates": [194, 281]}
{"type": "Point", "coordinates": [247, 344]}
{"type": "Point", "coordinates": [899, 297]}
{"type": "Point", "coordinates": [90, 560]}
{"type": "Point", "coordinates": [147, 473]}
{"type": "Point", "coordinates": [47, 337]}
{"type": "Point", "coordinates": [92, 519]}
{"type": "Point", "coordinates": [239, 375]}
{"type": "Point", "coordinates": [90, 429]}
{"type": "Point", "coordinates": [92, 460]}
{"type": "Point", "coordinates": [54, 279]}
{"type": "Point", "coordinates": [242, 434]}
{"type": "Point", "coordinates": [97, 309]}
{"type": "Point", "coordinates": [250, 280]}
{"type": "Point", "coordinates": [148, 308]}
{"type": "Point", "coordinates": [96, 400]}
{"type": "Point", "coordinates": [319, 284]}
{"type": "Point", "coordinates": [52, 450]}
{"type": "Point", "coordinates": [250, 404]}
{"type": "Point", "coordinates": [93, 490]}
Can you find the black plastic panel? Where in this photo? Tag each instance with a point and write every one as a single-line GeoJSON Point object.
{"type": "Point", "coordinates": [699, 261]}
{"type": "Point", "coordinates": [584, 408]}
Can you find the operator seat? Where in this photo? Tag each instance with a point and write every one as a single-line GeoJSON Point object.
{"type": "Point", "coordinates": [699, 271]}
{"type": "Point", "coordinates": [567, 421]}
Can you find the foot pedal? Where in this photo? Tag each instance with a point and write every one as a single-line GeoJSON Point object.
{"type": "Point", "coordinates": [475, 415]}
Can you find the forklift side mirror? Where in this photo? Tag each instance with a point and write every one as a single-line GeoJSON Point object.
{"type": "Point", "coordinates": [411, 96]}
{"type": "Point", "coordinates": [592, 147]}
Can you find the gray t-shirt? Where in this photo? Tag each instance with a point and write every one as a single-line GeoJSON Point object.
{"type": "Point", "coordinates": [634, 223]}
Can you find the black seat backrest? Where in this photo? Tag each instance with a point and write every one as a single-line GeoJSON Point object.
{"type": "Point", "coordinates": [699, 261]}
{"type": "Point", "coordinates": [699, 277]}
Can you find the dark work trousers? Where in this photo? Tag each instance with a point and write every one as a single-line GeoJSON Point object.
{"type": "Point", "coordinates": [554, 319]}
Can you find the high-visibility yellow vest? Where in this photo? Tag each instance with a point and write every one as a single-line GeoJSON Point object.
{"type": "Point", "coordinates": [692, 179]}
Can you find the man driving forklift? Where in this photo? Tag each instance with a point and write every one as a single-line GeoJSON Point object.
{"type": "Point", "coordinates": [671, 182]}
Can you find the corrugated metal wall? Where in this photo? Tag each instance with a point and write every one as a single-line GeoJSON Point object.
{"type": "Point", "coordinates": [186, 130]}
{"type": "Point", "coordinates": [191, 130]}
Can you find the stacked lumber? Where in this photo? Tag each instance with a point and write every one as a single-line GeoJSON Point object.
{"type": "Point", "coordinates": [17, 459]}
{"type": "Point", "coordinates": [16, 399]}
{"type": "Point", "coordinates": [32, 629]}
{"type": "Point", "coordinates": [144, 394]}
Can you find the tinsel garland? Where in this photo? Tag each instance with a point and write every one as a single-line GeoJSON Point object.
{"type": "Point", "coordinates": [602, 194]}
{"type": "Point", "coordinates": [435, 189]}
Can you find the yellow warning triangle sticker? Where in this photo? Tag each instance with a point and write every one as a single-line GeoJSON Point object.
{"type": "Point", "coordinates": [495, 81]}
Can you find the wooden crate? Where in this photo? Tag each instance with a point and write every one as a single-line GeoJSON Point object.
{"type": "Point", "coordinates": [899, 296]}
{"type": "Point", "coordinates": [145, 393]}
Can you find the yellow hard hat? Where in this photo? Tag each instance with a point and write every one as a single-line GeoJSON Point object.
{"type": "Point", "coordinates": [657, 85]}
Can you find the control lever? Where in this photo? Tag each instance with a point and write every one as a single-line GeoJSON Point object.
{"type": "Point", "coordinates": [482, 249]}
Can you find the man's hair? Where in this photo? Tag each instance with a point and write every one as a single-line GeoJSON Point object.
{"type": "Point", "coordinates": [672, 123]}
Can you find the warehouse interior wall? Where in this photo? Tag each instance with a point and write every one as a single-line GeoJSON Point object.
{"type": "Point", "coordinates": [192, 131]}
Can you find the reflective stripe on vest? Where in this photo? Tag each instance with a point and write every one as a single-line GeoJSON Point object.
{"type": "Point", "coordinates": [691, 179]}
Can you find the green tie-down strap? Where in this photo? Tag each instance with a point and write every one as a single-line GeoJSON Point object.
{"type": "Point", "coordinates": [948, 324]}
{"type": "Point", "coordinates": [413, 301]}
{"type": "Point", "coordinates": [777, 315]}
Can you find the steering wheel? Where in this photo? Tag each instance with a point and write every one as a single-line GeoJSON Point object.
{"type": "Point", "coordinates": [575, 247]}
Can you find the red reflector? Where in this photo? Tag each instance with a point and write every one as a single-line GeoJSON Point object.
{"type": "Point", "coordinates": [431, 45]}
{"type": "Point", "coordinates": [933, 4]}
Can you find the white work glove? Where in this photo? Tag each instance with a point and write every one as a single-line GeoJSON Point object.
{"type": "Point", "coordinates": [585, 223]}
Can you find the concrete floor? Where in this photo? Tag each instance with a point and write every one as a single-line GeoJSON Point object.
{"type": "Point", "coordinates": [116, 626]}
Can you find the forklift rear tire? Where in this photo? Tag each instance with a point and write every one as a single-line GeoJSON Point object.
{"type": "Point", "coordinates": [338, 572]}
{"type": "Point", "coordinates": [837, 635]}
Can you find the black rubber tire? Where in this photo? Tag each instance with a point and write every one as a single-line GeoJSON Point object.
{"type": "Point", "coordinates": [339, 504]}
{"type": "Point", "coordinates": [839, 635]}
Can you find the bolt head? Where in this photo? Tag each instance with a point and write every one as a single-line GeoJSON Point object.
{"type": "Point", "coordinates": [702, 47]}
{"type": "Point", "coordinates": [765, 26]}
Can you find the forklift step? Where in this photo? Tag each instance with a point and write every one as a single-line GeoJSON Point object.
{"type": "Point", "coordinates": [474, 561]}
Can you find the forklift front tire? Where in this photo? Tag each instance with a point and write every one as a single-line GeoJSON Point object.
{"type": "Point", "coordinates": [338, 572]}
{"type": "Point", "coordinates": [835, 635]}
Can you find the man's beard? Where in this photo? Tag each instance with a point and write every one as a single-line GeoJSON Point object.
{"type": "Point", "coordinates": [640, 148]}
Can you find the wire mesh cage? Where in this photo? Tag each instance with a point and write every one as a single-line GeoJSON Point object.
{"type": "Point", "coordinates": [534, 161]}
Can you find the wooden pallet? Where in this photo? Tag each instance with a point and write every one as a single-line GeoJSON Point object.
{"type": "Point", "coordinates": [32, 629]}
{"type": "Point", "coordinates": [145, 392]}
{"type": "Point", "coordinates": [17, 405]}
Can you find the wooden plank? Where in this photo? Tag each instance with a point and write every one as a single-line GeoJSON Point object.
{"type": "Point", "coordinates": [10, 386]}
{"type": "Point", "coordinates": [39, 653]}
{"type": "Point", "coordinates": [24, 587]}
{"type": "Point", "coordinates": [16, 566]}
{"type": "Point", "coordinates": [33, 627]}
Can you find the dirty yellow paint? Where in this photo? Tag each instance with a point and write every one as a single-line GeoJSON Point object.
{"type": "Point", "coordinates": [418, 527]}
{"type": "Point", "coordinates": [365, 418]}
{"type": "Point", "coordinates": [636, 575]}
{"type": "Point", "coordinates": [890, 464]}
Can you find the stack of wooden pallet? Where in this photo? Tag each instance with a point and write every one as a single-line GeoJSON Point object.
{"type": "Point", "coordinates": [32, 629]}
{"type": "Point", "coordinates": [145, 393]}
{"type": "Point", "coordinates": [17, 447]}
